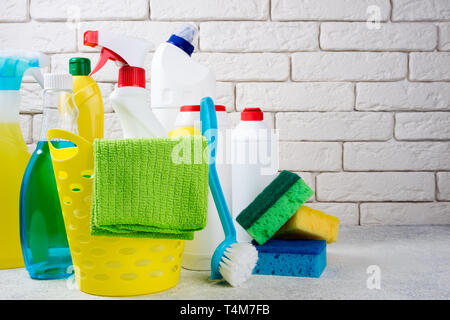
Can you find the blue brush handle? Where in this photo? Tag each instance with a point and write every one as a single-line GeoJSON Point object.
{"type": "Point", "coordinates": [209, 130]}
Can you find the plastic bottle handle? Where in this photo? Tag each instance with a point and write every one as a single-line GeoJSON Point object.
{"type": "Point", "coordinates": [58, 154]}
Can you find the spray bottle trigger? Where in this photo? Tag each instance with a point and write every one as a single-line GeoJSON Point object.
{"type": "Point", "coordinates": [106, 55]}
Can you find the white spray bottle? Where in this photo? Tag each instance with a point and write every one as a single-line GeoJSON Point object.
{"type": "Point", "coordinates": [177, 79]}
{"type": "Point", "coordinates": [130, 98]}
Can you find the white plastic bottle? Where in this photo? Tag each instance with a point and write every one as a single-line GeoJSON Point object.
{"type": "Point", "coordinates": [130, 99]}
{"type": "Point", "coordinates": [255, 162]}
{"type": "Point", "coordinates": [177, 79]}
{"type": "Point", "coordinates": [198, 252]}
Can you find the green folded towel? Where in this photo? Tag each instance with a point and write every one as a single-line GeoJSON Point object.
{"type": "Point", "coordinates": [150, 188]}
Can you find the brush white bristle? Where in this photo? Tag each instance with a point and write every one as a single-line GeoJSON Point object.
{"type": "Point", "coordinates": [238, 262]}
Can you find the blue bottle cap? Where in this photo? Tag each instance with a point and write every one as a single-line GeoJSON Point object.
{"type": "Point", "coordinates": [183, 39]}
{"type": "Point", "coordinates": [181, 43]}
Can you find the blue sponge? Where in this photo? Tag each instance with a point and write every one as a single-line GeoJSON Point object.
{"type": "Point", "coordinates": [298, 258]}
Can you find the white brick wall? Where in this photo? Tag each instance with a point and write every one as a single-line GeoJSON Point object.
{"type": "Point", "coordinates": [403, 96]}
{"type": "Point", "coordinates": [443, 184]}
{"type": "Point", "coordinates": [348, 66]}
{"type": "Point", "coordinates": [43, 36]}
{"type": "Point", "coordinates": [14, 10]}
{"type": "Point", "coordinates": [26, 126]}
{"type": "Point", "coordinates": [310, 156]}
{"type": "Point", "coordinates": [420, 10]}
{"type": "Point", "coordinates": [444, 37]}
{"type": "Point", "coordinates": [390, 37]}
{"type": "Point", "coordinates": [363, 110]}
{"type": "Point", "coordinates": [399, 156]}
{"type": "Point", "coordinates": [291, 96]}
{"type": "Point", "coordinates": [431, 66]}
{"type": "Point", "coordinates": [347, 10]}
{"type": "Point", "coordinates": [417, 126]}
{"type": "Point", "coordinates": [375, 186]}
{"type": "Point", "coordinates": [398, 213]}
{"type": "Point", "coordinates": [54, 10]}
{"type": "Point", "coordinates": [335, 126]}
{"type": "Point", "coordinates": [210, 10]}
{"type": "Point", "coordinates": [247, 66]}
{"type": "Point", "coordinates": [258, 36]}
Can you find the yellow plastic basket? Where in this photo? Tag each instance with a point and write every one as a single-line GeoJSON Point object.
{"type": "Point", "coordinates": [106, 266]}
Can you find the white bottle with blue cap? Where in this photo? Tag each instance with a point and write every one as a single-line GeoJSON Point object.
{"type": "Point", "coordinates": [177, 79]}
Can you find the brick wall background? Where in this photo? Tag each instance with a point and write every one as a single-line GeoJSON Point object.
{"type": "Point", "coordinates": [363, 112]}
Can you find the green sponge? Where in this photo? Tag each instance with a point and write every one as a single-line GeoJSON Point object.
{"type": "Point", "coordinates": [274, 206]}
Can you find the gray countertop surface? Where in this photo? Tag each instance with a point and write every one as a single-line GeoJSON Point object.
{"type": "Point", "coordinates": [413, 262]}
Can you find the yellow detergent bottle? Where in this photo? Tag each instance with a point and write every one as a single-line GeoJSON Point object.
{"type": "Point", "coordinates": [88, 99]}
{"type": "Point", "coordinates": [14, 154]}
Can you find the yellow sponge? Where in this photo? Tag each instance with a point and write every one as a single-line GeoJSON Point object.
{"type": "Point", "coordinates": [309, 223]}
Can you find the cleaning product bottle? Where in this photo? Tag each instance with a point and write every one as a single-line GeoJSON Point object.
{"type": "Point", "coordinates": [177, 79]}
{"type": "Point", "coordinates": [42, 231]}
{"type": "Point", "coordinates": [88, 99]}
{"type": "Point", "coordinates": [130, 99]}
{"type": "Point", "coordinates": [14, 154]}
{"type": "Point", "coordinates": [198, 252]}
{"type": "Point", "coordinates": [254, 162]}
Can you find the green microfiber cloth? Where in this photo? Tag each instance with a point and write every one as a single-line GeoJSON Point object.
{"type": "Point", "coordinates": [274, 206]}
{"type": "Point", "coordinates": [150, 188]}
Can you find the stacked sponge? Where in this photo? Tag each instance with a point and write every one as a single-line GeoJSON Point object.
{"type": "Point", "coordinates": [275, 205]}
{"type": "Point", "coordinates": [308, 223]}
{"type": "Point", "coordinates": [300, 258]}
{"type": "Point", "coordinates": [278, 213]}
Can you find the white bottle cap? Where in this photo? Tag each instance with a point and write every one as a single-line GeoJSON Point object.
{"type": "Point", "coordinates": [62, 81]}
{"type": "Point", "coordinates": [188, 32]}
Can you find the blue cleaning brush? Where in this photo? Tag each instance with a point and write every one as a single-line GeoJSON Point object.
{"type": "Point", "coordinates": [232, 260]}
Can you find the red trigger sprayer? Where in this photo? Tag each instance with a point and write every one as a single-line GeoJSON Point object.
{"type": "Point", "coordinates": [130, 99]}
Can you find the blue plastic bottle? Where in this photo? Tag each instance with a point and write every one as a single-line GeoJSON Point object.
{"type": "Point", "coordinates": [43, 235]}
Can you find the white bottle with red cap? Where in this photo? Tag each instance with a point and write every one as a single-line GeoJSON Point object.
{"type": "Point", "coordinates": [177, 79]}
{"type": "Point", "coordinates": [130, 99]}
{"type": "Point", "coordinates": [198, 252]}
{"type": "Point", "coordinates": [254, 162]}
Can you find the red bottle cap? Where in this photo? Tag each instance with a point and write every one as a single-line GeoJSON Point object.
{"type": "Point", "coordinates": [196, 108]}
{"type": "Point", "coordinates": [252, 114]}
{"type": "Point", "coordinates": [131, 77]}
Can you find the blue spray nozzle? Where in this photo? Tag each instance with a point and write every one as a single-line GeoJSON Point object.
{"type": "Point", "coordinates": [15, 63]}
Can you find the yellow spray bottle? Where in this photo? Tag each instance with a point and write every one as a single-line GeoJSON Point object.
{"type": "Point", "coordinates": [14, 154]}
{"type": "Point", "coordinates": [88, 99]}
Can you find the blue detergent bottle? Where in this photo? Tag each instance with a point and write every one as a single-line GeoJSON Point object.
{"type": "Point", "coordinates": [43, 235]}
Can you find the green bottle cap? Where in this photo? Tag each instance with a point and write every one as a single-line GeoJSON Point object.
{"type": "Point", "coordinates": [79, 66]}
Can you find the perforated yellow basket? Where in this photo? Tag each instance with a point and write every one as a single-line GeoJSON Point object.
{"type": "Point", "coordinates": [106, 266]}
